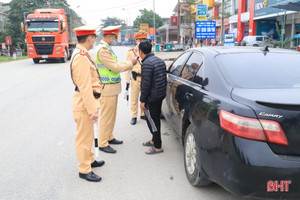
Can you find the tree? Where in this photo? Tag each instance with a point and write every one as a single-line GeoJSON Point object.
{"type": "Point", "coordinates": [190, 17]}
{"type": "Point", "coordinates": [282, 43]}
{"type": "Point", "coordinates": [111, 21]}
{"type": "Point", "coordinates": [147, 17]}
{"type": "Point", "coordinates": [224, 5]}
{"type": "Point", "coordinates": [19, 9]}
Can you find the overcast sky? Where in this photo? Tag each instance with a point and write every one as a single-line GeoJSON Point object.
{"type": "Point", "coordinates": [95, 10]}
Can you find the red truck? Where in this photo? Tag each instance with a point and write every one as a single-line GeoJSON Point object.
{"type": "Point", "coordinates": [47, 35]}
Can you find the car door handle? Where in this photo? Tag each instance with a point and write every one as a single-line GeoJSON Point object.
{"type": "Point", "coordinates": [189, 95]}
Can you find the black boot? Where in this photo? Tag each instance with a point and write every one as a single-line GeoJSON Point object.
{"type": "Point", "coordinates": [133, 121]}
{"type": "Point", "coordinates": [115, 141]}
{"type": "Point", "coordinates": [107, 149]}
{"type": "Point", "coordinates": [97, 163]}
{"type": "Point", "coordinates": [90, 177]}
{"type": "Point", "coordinates": [143, 117]}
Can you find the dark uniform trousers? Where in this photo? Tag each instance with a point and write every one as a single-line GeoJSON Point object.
{"type": "Point", "coordinates": [155, 111]}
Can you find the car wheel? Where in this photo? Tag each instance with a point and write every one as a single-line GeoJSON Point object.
{"type": "Point", "coordinates": [255, 45]}
{"type": "Point", "coordinates": [192, 163]}
{"type": "Point", "coordinates": [36, 60]}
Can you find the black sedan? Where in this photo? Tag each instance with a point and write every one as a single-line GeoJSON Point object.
{"type": "Point", "coordinates": [237, 110]}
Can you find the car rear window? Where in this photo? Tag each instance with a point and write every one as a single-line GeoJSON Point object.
{"type": "Point", "coordinates": [256, 70]}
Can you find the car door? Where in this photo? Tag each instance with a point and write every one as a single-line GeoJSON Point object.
{"type": "Point", "coordinates": [182, 91]}
{"type": "Point", "coordinates": [174, 71]}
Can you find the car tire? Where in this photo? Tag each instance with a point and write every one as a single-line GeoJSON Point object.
{"type": "Point", "coordinates": [65, 58]}
{"type": "Point", "coordinates": [36, 60]}
{"type": "Point", "coordinates": [192, 164]}
{"type": "Point", "coordinates": [255, 45]}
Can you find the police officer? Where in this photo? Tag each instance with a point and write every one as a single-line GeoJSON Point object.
{"type": "Point", "coordinates": [85, 102]}
{"type": "Point", "coordinates": [135, 77]}
{"type": "Point", "coordinates": [109, 70]}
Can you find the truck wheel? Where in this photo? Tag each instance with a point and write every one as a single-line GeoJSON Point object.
{"type": "Point", "coordinates": [65, 58]}
{"type": "Point", "coordinates": [192, 163]}
{"type": "Point", "coordinates": [36, 60]}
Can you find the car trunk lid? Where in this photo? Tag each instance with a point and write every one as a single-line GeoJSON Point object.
{"type": "Point", "coordinates": [280, 105]}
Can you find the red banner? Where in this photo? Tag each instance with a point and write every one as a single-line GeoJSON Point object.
{"type": "Point", "coordinates": [8, 40]}
{"type": "Point", "coordinates": [151, 31]}
{"type": "Point", "coordinates": [174, 21]}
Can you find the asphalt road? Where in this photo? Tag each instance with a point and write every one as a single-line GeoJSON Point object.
{"type": "Point", "coordinates": [37, 153]}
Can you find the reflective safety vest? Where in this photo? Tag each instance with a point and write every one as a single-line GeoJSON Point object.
{"type": "Point", "coordinates": [107, 76]}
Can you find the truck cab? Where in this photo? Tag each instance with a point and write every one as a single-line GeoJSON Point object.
{"type": "Point", "coordinates": [47, 35]}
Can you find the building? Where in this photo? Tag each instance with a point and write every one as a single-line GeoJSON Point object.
{"type": "Point", "coordinates": [169, 32]}
{"type": "Point", "coordinates": [259, 17]}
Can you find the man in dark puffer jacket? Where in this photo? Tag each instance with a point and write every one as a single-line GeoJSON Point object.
{"type": "Point", "coordinates": [153, 91]}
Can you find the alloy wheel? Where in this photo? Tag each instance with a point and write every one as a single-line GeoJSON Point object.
{"type": "Point", "coordinates": [190, 153]}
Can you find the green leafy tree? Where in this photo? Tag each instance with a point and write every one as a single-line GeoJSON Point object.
{"type": "Point", "coordinates": [111, 21]}
{"type": "Point", "coordinates": [281, 43]}
{"type": "Point", "coordinates": [147, 17]}
{"type": "Point", "coordinates": [19, 9]}
{"type": "Point", "coordinates": [223, 13]}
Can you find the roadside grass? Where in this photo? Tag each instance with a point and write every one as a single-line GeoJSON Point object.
{"type": "Point", "coordinates": [6, 59]}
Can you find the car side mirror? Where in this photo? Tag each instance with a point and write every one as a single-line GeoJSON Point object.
{"type": "Point", "coordinates": [200, 81]}
{"type": "Point", "coordinates": [205, 82]}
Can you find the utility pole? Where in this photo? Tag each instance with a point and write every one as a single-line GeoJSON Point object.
{"type": "Point", "coordinates": [154, 21]}
{"type": "Point", "coordinates": [222, 22]}
{"type": "Point", "coordinates": [283, 29]}
{"type": "Point", "coordinates": [178, 36]}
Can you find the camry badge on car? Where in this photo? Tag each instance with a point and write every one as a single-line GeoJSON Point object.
{"type": "Point", "coordinates": [270, 115]}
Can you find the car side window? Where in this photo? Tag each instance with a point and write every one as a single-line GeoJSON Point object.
{"type": "Point", "coordinates": [179, 63]}
{"type": "Point", "coordinates": [192, 66]}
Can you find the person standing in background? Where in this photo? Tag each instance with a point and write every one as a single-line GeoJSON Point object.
{"type": "Point", "coordinates": [85, 101]}
{"type": "Point", "coordinates": [109, 70]}
{"type": "Point", "coordinates": [135, 80]}
{"type": "Point", "coordinates": [153, 91]}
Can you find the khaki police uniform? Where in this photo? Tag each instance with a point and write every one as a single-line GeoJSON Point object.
{"type": "Point", "coordinates": [109, 96]}
{"type": "Point", "coordinates": [85, 77]}
{"type": "Point", "coordinates": [135, 84]}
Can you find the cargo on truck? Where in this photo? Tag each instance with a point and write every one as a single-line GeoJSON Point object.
{"type": "Point", "coordinates": [47, 35]}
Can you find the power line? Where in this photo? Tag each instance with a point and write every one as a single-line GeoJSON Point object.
{"type": "Point", "coordinates": [135, 4]}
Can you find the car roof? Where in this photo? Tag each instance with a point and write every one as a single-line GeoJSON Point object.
{"type": "Point", "coordinates": [238, 49]}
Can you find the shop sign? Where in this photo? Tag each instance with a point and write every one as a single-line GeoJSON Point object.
{"type": "Point", "coordinates": [263, 7]}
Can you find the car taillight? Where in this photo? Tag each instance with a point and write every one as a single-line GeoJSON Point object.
{"type": "Point", "coordinates": [253, 129]}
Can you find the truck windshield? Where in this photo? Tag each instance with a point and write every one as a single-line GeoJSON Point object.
{"type": "Point", "coordinates": [42, 26]}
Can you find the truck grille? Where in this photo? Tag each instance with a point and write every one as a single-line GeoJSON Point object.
{"type": "Point", "coordinates": [43, 38]}
{"type": "Point", "coordinates": [44, 49]}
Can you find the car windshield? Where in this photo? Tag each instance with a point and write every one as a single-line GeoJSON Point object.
{"type": "Point", "coordinates": [42, 26]}
{"type": "Point", "coordinates": [256, 70]}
